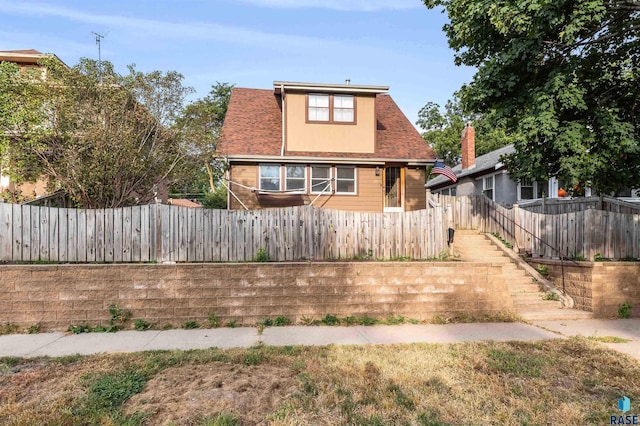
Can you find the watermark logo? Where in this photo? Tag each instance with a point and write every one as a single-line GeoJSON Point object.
{"type": "Point", "coordinates": [624, 405]}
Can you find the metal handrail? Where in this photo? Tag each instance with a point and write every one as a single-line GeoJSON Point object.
{"type": "Point", "coordinates": [554, 249]}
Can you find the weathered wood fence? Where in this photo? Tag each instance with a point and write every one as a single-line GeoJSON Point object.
{"type": "Point", "coordinates": [576, 234]}
{"type": "Point", "coordinates": [558, 206]}
{"type": "Point", "coordinates": [171, 233]}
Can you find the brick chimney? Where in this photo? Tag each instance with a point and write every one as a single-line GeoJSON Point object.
{"type": "Point", "coordinates": [468, 147]}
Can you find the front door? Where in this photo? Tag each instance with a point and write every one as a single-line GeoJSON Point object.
{"type": "Point", "coordinates": [393, 189]}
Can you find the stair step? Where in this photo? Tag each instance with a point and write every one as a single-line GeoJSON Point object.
{"type": "Point", "coordinates": [530, 306]}
{"type": "Point", "coordinates": [525, 288]}
{"type": "Point", "coordinates": [514, 273]}
{"type": "Point", "coordinates": [554, 314]}
{"type": "Point", "coordinates": [526, 294]}
{"type": "Point", "coordinates": [530, 296]}
{"type": "Point", "coordinates": [520, 280]}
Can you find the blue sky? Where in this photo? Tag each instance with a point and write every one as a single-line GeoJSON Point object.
{"type": "Point", "coordinates": [251, 43]}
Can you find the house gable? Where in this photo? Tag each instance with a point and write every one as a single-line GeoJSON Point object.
{"type": "Point", "coordinates": [306, 135]}
{"type": "Point", "coordinates": [253, 128]}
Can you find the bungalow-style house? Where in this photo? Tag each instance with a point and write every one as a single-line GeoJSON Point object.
{"type": "Point", "coordinates": [487, 175]}
{"type": "Point", "coordinates": [340, 146]}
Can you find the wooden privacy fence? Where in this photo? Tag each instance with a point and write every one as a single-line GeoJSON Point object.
{"type": "Point", "coordinates": [180, 234]}
{"type": "Point", "coordinates": [558, 206]}
{"type": "Point", "coordinates": [577, 234]}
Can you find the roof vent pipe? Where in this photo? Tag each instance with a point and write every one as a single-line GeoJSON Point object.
{"type": "Point", "coordinates": [347, 81]}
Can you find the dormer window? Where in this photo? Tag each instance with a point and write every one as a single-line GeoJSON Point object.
{"type": "Point", "coordinates": [343, 108]}
{"type": "Point", "coordinates": [328, 108]}
{"type": "Point", "coordinates": [318, 107]}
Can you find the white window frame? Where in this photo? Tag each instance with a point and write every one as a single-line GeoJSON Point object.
{"type": "Point", "coordinates": [533, 185]}
{"type": "Point", "coordinates": [355, 180]}
{"type": "Point", "coordinates": [352, 109]}
{"type": "Point", "coordinates": [315, 107]}
{"type": "Point", "coordinates": [536, 189]}
{"type": "Point", "coordinates": [260, 177]}
{"type": "Point", "coordinates": [303, 190]}
{"type": "Point", "coordinates": [327, 189]}
{"type": "Point", "coordinates": [493, 185]}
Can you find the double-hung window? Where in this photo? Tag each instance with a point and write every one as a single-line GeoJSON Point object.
{"type": "Point", "coordinates": [321, 179]}
{"type": "Point", "coordinates": [343, 108]}
{"type": "Point", "coordinates": [487, 186]}
{"type": "Point", "coordinates": [345, 180]}
{"type": "Point", "coordinates": [526, 190]}
{"type": "Point", "coordinates": [318, 107]}
{"type": "Point", "coordinates": [270, 177]}
{"type": "Point", "coordinates": [296, 178]}
{"type": "Point", "coordinates": [327, 108]}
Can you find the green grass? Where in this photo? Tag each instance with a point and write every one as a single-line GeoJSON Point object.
{"type": "Point", "coordinates": [608, 339]}
{"type": "Point", "coordinates": [563, 381]}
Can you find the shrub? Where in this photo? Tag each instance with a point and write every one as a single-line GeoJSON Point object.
{"type": "Point", "coordinates": [141, 325]}
{"type": "Point", "coordinates": [624, 311]}
{"type": "Point", "coordinates": [281, 321]}
{"type": "Point", "coordinates": [262, 256]}
{"type": "Point", "coordinates": [214, 321]}
{"type": "Point", "coordinates": [330, 319]}
{"type": "Point", "coordinates": [190, 325]}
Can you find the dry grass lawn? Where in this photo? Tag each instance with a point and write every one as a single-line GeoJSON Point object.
{"type": "Point", "coordinates": [569, 382]}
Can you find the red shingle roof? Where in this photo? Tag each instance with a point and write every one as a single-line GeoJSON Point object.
{"type": "Point", "coordinates": [253, 126]}
{"type": "Point", "coordinates": [28, 51]}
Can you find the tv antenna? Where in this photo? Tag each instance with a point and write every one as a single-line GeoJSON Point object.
{"type": "Point", "coordinates": [98, 38]}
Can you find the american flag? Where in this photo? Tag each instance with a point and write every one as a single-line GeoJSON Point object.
{"type": "Point", "coordinates": [439, 168]}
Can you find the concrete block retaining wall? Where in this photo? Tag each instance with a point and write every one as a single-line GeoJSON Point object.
{"type": "Point", "coordinates": [598, 287]}
{"type": "Point", "coordinates": [57, 296]}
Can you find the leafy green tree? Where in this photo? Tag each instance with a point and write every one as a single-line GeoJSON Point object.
{"type": "Point", "coordinates": [95, 134]}
{"type": "Point", "coordinates": [200, 123]}
{"type": "Point", "coordinates": [444, 131]}
{"type": "Point", "coordinates": [564, 74]}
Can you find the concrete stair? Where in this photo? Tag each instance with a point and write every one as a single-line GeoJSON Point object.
{"type": "Point", "coordinates": [527, 296]}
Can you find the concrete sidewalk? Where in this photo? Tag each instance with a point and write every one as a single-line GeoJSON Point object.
{"type": "Point", "coordinates": [59, 344]}
{"type": "Point", "coordinates": [628, 329]}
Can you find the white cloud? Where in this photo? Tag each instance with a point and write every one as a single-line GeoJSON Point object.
{"type": "Point", "coordinates": [170, 30]}
{"type": "Point", "coordinates": [343, 5]}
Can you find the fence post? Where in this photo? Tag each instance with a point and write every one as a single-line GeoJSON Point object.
{"type": "Point", "coordinates": [516, 224]}
{"type": "Point", "coordinates": [158, 232]}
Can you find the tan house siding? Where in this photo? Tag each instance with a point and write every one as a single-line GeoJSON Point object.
{"type": "Point", "coordinates": [326, 137]}
{"type": "Point", "coordinates": [415, 198]}
{"type": "Point", "coordinates": [368, 199]}
{"type": "Point", "coordinates": [247, 175]}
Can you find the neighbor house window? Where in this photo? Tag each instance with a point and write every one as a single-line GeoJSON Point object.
{"type": "Point", "coordinates": [270, 177]}
{"type": "Point", "coordinates": [345, 180]}
{"type": "Point", "coordinates": [320, 179]}
{"type": "Point", "coordinates": [343, 108]}
{"type": "Point", "coordinates": [542, 189]}
{"type": "Point", "coordinates": [318, 107]}
{"type": "Point", "coordinates": [526, 190]}
{"type": "Point", "coordinates": [487, 186]}
{"type": "Point", "coordinates": [296, 178]}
